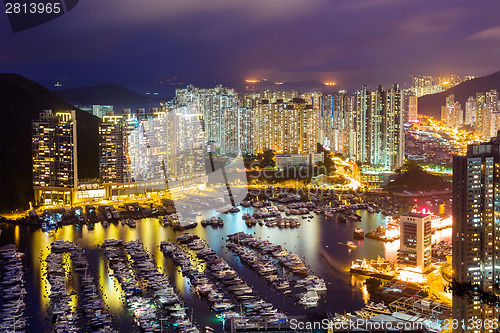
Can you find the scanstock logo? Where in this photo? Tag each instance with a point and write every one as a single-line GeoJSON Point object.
{"type": "Point", "coordinates": [26, 14]}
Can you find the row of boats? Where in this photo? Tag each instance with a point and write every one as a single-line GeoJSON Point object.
{"type": "Point", "coordinates": [213, 221]}
{"type": "Point", "coordinates": [64, 316]}
{"type": "Point", "coordinates": [130, 222]}
{"type": "Point", "coordinates": [96, 314]}
{"type": "Point", "coordinates": [264, 261]}
{"type": "Point", "coordinates": [220, 285]}
{"type": "Point", "coordinates": [12, 291]}
{"type": "Point", "coordinates": [173, 220]}
{"type": "Point", "coordinates": [264, 267]}
{"type": "Point", "coordinates": [156, 305]}
{"type": "Point", "coordinates": [272, 222]}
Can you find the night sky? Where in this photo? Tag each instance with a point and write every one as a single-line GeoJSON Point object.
{"type": "Point", "coordinates": [351, 42]}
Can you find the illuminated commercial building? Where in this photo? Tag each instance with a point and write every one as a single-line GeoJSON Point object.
{"type": "Point", "coordinates": [415, 243]}
{"type": "Point", "coordinates": [54, 156]}
{"type": "Point", "coordinates": [476, 228]}
{"type": "Point", "coordinates": [379, 127]}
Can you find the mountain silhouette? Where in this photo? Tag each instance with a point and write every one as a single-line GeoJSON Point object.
{"type": "Point", "coordinates": [21, 101]}
{"type": "Point", "coordinates": [430, 105]}
{"type": "Point", "coordinates": [103, 94]}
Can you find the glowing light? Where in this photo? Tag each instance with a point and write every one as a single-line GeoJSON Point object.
{"type": "Point", "coordinates": [252, 81]}
{"type": "Point", "coordinates": [329, 83]}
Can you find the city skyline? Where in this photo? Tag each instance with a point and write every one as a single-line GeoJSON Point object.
{"type": "Point", "coordinates": [227, 166]}
{"type": "Point", "coordinates": [182, 41]}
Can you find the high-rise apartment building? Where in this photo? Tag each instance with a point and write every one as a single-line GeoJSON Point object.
{"type": "Point", "coordinates": [338, 124]}
{"type": "Point", "coordinates": [470, 111]}
{"type": "Point", "coordinates": [452, 113]}
{"type": "Point", "coordinates": [415, 243]}
{"type": "Point", "coordinates": [480, 99]}
{"type": "Point", "coordinates": [476, 231]}
{"type": "Point", "coordinates": [54, 156]}
{"type": "Point", "coordinates": [425, 84]}
{"type": "Point", "coordinates": [410, 107]}
{"type": "Point", "coordinates": [142, 152]}
{"type": "Point", "coordinates": [221, 114]}
{"type": "Point", "coordinates": [380, 129]}
{"type": "Point", "coordinates": [112, 167]}
{"type": "Point", "coordinates": [169, 145]}
{"type": "Point", "coordinates": [490, 118]}
{"type": "Point", "coordinates": [286, 127]}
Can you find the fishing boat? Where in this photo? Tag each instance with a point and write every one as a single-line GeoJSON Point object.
{"type": "Point", "coordinates": [309, 298]}
{"type": "Point", "coordinates": [329, 214]}
{"type": "Point", "coordinates": [234, 210]}
{"type": "Point", "coordinates": [359, 233]}
{"type": "Point", "coordinates": [222, 306]}
{"type": "Point", "coordinates": [342, 218]}
{"type": "Point", "coordinates": [351, 245]}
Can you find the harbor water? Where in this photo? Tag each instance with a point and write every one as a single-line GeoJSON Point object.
{"type": "Point", "coordinates": [319, 242]}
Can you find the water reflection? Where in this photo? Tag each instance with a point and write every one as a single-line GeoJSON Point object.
{"type": "Point", "coordinates": [111, 290]}
{"type": "Point", "coordinates": [317, 241]}
{"type": "Point", "coordinates": [391, 250]}
{"type": "Point", "coordinates": [16, 235]}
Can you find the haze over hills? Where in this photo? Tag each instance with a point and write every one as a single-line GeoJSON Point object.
{"type": "Point", "coordinates": [104, 94]}
{"type": "Point", "coordinates": [21, 101]}
{"type": "Point", "coordinates": [430, 105]}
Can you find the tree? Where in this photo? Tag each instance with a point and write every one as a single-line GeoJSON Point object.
{"type": "Point", "coordinates": [413, 178]}
{"type": "Point", "coordinates": [372, 284]}
{"type": "Point", "coordinates": [471, 291]}
{"type": "Point", "coordinates": [268, 159]}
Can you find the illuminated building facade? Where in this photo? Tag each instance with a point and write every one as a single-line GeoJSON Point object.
{"type": "Point", "coordinates": [284, 161]}
{"type": "Point", "coordinates": [452, 114]}
{"type": "Point", "coordinates": [476, 227]}
{"type": "Point", "coordinates": [410, 107]}
{"type": "Point", "coordinates": [480, 99]}
{"type": "Point", "coordinates": [286, 127]}
{"type": "Point", "coordinates": [273, 96]}
{"type": "Point", "coordinates": [426, 84]}
{"type": "Point", "coordinates": [338, 124]}
{"type": "Point", "coordinates": [490, 114]}
{"type": "Point", "coordinates": [222, 117]}
{"type": "Point", "coordinates": [415, 243]}
{"type": "Point", "coordinates": [380, 130]}
{"type": "Point", "coordinates": [470, 111]}
{"type": "Point", "coordinates": [143, 152]}
{"type": "Point", "coordinates": [170, 145]}
{"type": "Point", "coordinates": [111, 150]}
{"type": "Point", "coordinates": [54, 156]}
